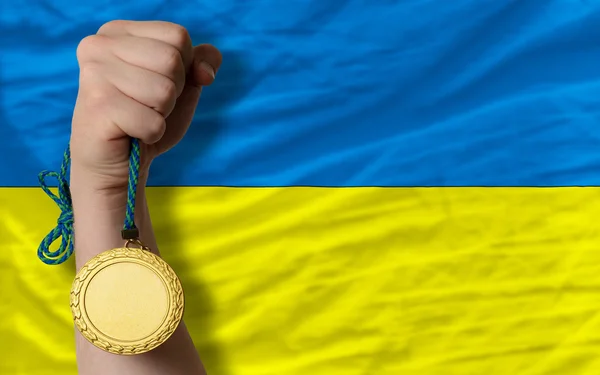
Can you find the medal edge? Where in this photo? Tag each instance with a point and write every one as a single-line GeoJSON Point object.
{"type": "Point", "coordinates": [174, 315]}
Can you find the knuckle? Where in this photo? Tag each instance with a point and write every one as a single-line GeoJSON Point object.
{"type": "Point", "coordinates": [167, 91]}
{"type": "Point", "coordinates": [88, 70]}
{"type": "Point", "coordinates": [96, 98]}
{"type": "Point", "coordinates": [111, 25]}
{"type": "Point", "coordinates": [180, 35]}
{"type": "Point", "coordinates": [89, 46]}
{"type": "Point", "coordinates": [172, 60]}
{"type": "Point", "coordinates": [93, 89]}
{"type": "Point", "coordinates": [155, 128]}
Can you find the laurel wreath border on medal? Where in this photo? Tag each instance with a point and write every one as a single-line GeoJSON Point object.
{"type": "Point", "coordinates": [165, 272]}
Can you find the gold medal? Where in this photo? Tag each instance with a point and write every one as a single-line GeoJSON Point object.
{"type": "Point", "coordinates": [127, 300]}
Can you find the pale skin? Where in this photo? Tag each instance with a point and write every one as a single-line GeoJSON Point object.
{"type": "Point", "coordinates": [142, 80]}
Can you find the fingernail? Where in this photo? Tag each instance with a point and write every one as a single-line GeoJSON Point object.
{"type": "Point", "coordinates": [207, 68]}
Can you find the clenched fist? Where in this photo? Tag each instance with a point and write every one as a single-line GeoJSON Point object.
{"type": "Point", "coordinates": [137, 79]}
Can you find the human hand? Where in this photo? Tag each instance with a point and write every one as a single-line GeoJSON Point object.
{"type": "Point", "coordinates": [140, 80]}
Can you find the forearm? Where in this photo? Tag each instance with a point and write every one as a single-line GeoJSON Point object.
{"type": "Point", "coordinates": [98, 222]}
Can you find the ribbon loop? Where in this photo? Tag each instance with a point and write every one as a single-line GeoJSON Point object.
{"type": "Point", "coordinates": [64, 225]}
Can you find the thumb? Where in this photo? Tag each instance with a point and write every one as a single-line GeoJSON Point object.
{"type": "Point", "coordinates": [206, 62]}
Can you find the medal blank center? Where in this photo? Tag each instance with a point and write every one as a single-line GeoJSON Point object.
{"type": "Point", "coordinates": [126, 301]}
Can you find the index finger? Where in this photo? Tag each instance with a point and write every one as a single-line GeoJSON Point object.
{"type": "Point", "coordinates": [168, 32]}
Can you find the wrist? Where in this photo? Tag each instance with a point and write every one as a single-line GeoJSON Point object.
{"type": "Point", "coordinates": [106, 192]}
{"type": "Point", "coordinates": [99, 215]}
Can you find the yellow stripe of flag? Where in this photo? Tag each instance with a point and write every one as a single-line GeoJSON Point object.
{"type": "Point", "coordinates": [349, 281]}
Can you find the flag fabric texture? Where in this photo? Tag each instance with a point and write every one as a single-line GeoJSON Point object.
{"type": "Point", "coordinates": [369, 187]}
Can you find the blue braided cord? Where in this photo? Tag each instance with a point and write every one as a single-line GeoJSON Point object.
{"type": "Point", "coordinates": [134, 169]}
{"type": "Point", "coordinates": [64, 227]}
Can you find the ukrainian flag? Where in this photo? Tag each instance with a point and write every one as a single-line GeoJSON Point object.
{"type": "Point", "coordinates": [369, 187]}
